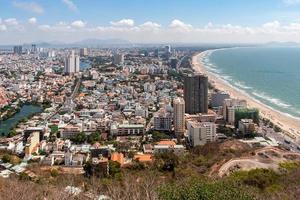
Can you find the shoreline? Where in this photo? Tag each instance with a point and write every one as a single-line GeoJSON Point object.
{"type": "Point", "coordinates": [289, 125]}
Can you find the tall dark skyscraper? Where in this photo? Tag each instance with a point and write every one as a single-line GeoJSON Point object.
{"type": "Point", "coordinates": [195, 93]}
{"type": "Point", "coordinates": [17, 49]}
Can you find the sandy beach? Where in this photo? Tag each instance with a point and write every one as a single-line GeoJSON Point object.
{"type": "Point", "coordinates": [290, 125]}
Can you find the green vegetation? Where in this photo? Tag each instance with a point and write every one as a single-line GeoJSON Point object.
{"type": "Point", "coordinates": [277, 129]}
{"type": "Point", "coordinates": [157, 136]}
{"type": "Point", "coordinates": [79, 138]}
{"type": "Point", "coordinates": [114, 169]}
{"type": "Point", "coordinates": [267, 122]}
{"type": "Point", "coordinates": [6, 158]}
{"type": "Point", "coordinates": [12, 133]}
{"type": "Point", "coordinates": [290, 165]}
{"type": "Point", "coordinates": [54, 172]}
{"type": "Point", "coordinates": [10, 158]}
{"type": "Point", "coordinates": [225, 130]}
{"type": "Point", "coordinates": [246, 113]}
{"type": "Point", "coordinates": [259, 178]}
{"type": "Point", "coordinates": [93, 137]}
{"type": "Point", "coordinates": [166, 161]}
{"type": "Point", "coordinates": [195, 188]}
{"type": "Point", "coordinates": [54, 129]}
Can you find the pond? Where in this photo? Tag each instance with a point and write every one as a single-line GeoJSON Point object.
{"type": "Point", "coordinates": [25, 111]}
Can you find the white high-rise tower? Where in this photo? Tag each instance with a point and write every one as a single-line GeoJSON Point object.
{"type": "Point", "coordinates": [179, 110]}
{"type": "Point", "coordinates": [72, 63]}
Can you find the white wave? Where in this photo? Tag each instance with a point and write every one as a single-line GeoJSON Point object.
{"type": "Point", "coordinates": [242, 85]}
{"type": "Point", "coordinates": [217, 71]}
{"type": "Point", "coordinates": [228, 78]}
{"type": "Point", "coordinates": [275, 101]}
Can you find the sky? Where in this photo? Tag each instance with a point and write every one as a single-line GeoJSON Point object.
{"type": "Point", "coordinates": [150, 21]}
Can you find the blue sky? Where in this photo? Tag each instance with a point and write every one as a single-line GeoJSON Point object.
{"type": "Point", "coordinates": [31, 17]}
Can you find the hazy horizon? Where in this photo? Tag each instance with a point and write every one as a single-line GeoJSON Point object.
{"type": "Point", "coordinates": [154, 21]}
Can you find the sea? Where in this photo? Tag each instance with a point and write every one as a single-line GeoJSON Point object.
{"type": "Point", "coordinates": [270, 75]}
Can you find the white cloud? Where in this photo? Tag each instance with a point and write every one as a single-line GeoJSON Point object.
{"type": "Point", "coordinates": [150, 25]}
{"type": "Point", "coordinates": [274, 25]}
{"type": "Point", "coordinates": [29, 6]}
{"type": "Point", "coordinates": [11, 22]}
{"type": "Point", "coordinates": [3, 27]}
{"type": "Point", "coordinates": [123, 22]}
{"type": "Point", "coordinates": [177, 31]}
{"type": "Point", "coordinates": [78, 24]}
{"type": "Point", "coordinates": [179, 25]}
{"type": "Point", "coordinates": [70, 4]}
{"type": "Point", "coordinates": [44, 27]}
{"type": "Point", "coordinates": [32, 20]}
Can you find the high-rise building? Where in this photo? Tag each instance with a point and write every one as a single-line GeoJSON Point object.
{"type": "Point", "coordinates": [156, 53]}
{"type": "Point", "coordinates": [83, 52]}
{"type": "Point", "coordinates": [246, 126]}
{"type": "Point", "coordinates": [72, 63]}
{"type": "Point", "coordinates": [217, 98]}
{"type": "Point", "coordinates": [195, 93]}
{"type": "Point", "coordinates": [179, 110]}
{"type": "Point", "coordinates": [33, 48]}
{"type": "Point", "coordinates": [201, 133]}
{"type": "Point", "coordinates": [162, 120]}
{"type": "Point", "coordinates": [229, 107]}
{"type": "Point", "coordinates": [174, 63]}
{"type": "Point", "coordinates": [118, 59]}
{"type": "Point", "coordinates": [168, 51]}
{"type": "Point", "coordinates": [18, 50]}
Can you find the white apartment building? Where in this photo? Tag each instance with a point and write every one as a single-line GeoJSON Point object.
{"type": "Point", "coordinates": [72, 63]}
{"type": "Point", "coordinates": [229, 107]}
{"type": "Point", "coordinates": [201, 133]}
{"type": "Point", "coordinates": [179, 122]}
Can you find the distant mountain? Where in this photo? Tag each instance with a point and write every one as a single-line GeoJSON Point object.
{"type": "Point", "coordinates": [87, 43]}
{"type": "Point", "coordinates": [274, 43]}
{"type": "Point", "coordinates": [102, 42]}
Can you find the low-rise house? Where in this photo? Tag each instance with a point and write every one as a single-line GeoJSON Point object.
{"type": "Point", "coordinates": [143, 158]}
{"type": "Point", "coordinates": [118, 157]}
{"type": "Point", "coordinates": [148, 148]}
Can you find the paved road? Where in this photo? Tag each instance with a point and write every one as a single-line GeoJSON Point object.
{"type": "Point", "coordinates": [282, 139]}
{"type": "Point", "coordinates": [67, 104]}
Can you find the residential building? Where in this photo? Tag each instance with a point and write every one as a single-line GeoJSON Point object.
{"type": "Point", "coordinates": [162, 120]}
{"type": "Point", "coordinates": [229, 107]}
{"type": "Point", "coordinates": [118, 59]}
{"type": "Point", "coordinates": [83, 52]}
{"type": "Point", "coordinates": [118, 157]}
{"type": "Point", "coordinates": [217, 98]}
{"type": "Point", "coordinates": [72, 63]}
{"type": "Point", "coordinates": [179, 111]}
{"type": "Point", "coordinates": [246, 126]}
{"type": "Point", "coordinates": [18, 49]}
{"type": "Point", "coordinates": [199, 133]}
{"type": "Point", "coordinates": [32, 143]}
{"type": "Point", "coordinates": [131, 129]}
{"type": "Point", "coordinates": [69, 131]}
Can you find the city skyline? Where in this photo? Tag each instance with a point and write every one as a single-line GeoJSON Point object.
{"type": "Point", "coordinates": [150, 22]}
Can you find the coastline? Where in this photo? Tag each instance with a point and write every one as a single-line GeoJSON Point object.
{"type": "Point", "coordinates": [290, 125]}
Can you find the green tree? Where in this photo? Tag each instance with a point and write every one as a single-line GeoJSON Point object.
{"type": "Point", "coordinates": [157, 136]}
{"type": "Point", "coordinates": [6, 158]}
{"type": "Point", "coordinates": [79, 138]}
{"type": "Point", "coordinates": [93, 137]}
{"type": "Point", "coordinates": [166, 161]}
{"type": "Point", "coordinates": [114, 168]}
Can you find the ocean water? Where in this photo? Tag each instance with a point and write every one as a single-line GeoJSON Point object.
{"type": "Point", "coordinates": [271, 75]}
